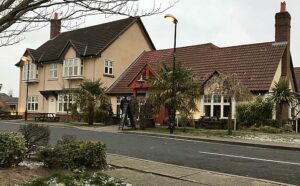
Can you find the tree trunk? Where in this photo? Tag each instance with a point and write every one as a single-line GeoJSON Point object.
{"type": "Point", "coordinates": [230, 117]}
{"type": "Point", "coordinates": [91, 115]}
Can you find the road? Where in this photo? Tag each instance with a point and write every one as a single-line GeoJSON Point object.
{"type": "Point", "coordinates": [270, 164]}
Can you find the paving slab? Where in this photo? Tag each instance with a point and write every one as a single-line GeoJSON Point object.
{"type": "Point", "coordinates": [153, 167]}
{"type": "Point", "coordinates": [148, 179]}
{"type": "Point", "coordinates": [225, 180]}
{"type": "Point", "coordinates": [185, 174]}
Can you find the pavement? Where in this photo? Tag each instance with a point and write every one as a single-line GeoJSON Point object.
{"type": "Point", "coordinates": [150, 173]}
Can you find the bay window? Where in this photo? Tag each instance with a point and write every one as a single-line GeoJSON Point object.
{"type": "Point", "coordinates": [33, 72]}
{"type": "Point", "coordinates": [216, 105]}
{"type": "Point", "coordinates": [73, 67]}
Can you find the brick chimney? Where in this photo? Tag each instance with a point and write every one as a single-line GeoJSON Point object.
{"type": "Point", "coordinates": [283, 34]}
{"type": "Point", "coordinates": [55, 26]}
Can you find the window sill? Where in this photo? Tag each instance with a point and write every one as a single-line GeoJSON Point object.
{"type": "Point", "coordinates": [31, 81]}
{"type": "Point", "coordinates": [109, 75]}
{"type": "Point", "coordinates": [74, 77]}
{"type": "Point", "coordinates": [52, 79]}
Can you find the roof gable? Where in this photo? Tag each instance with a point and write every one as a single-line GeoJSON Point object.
{"type": "Point", "coordinates": [89, 41]}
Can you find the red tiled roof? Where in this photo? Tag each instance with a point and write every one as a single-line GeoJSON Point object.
{"type": "Point", "coordinates": [297, 75]}
{"type": "Point", "coordinates": [255, 64]}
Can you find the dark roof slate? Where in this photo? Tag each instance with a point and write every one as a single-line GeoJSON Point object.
{"type": "Point", "coordinates": [255, 64]}
{"type": "Point", "coordinates": [8, 99]}
{"type": "Point", "coordinates": [89, 41]}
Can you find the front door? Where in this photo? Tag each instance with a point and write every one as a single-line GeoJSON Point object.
{"type": "Point", "coordinates": [51, 104]}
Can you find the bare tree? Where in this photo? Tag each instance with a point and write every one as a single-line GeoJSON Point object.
{"type": "Point", "coordinates": [19, 16]}
{"type": "Point", "coordinates": [228, 85]}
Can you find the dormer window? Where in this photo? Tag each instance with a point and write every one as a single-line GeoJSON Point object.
{"type": "Point", "coordinates": [33, 72]}
{"type": "Point", "coordinates": [108, 67]}
{"type": "Point", "coordinates": [73, 68]}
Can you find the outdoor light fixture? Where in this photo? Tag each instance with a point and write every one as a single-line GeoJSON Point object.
{"type": "Point", "coordinates": [171, 18]}
{"type": "Point", "coordinates": [26, 61]}
{"type": "Point", "coordinates": [172, 111]}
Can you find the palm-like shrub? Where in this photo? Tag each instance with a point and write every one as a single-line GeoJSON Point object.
{"type": "Point", "coordinates": [281, 95]}
{"type": "Point", "coordinates": [188, 90]}
{"type": "Point", "coordinates": [91, 97]}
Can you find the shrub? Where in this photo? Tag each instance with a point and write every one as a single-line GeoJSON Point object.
{"type": "Point", "coordinates": [256, 113]}
{"type": "Point", "coordinates": [287, 128]}
{"type": "Point", "coordinates": [185, 121]}
{"type": "Point", "coordinates": [35, 135]}
{"type": "Point", "coordinates": [272, 123]}
{"type": "Point", "coordinates": [65, 139]}
{"type": "Point", "coordinates": [77, 154]}
{"type": "Point", "coordinates": [12, 149]}
{"type": "Point", "coordinates": [269, 129]}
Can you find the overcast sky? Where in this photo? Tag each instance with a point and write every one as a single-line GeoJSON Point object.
{"type": "Point", "coordinates": [223, 23]}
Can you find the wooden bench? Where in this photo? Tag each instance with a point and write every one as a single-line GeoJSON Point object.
{"type": "Point", "coordinates": [209, 123]}
{"type": "Point", "coordinates": [46, 117]}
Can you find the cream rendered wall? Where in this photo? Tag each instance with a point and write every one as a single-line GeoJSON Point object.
{"type": "Point", "coordinates": [122, 52]}
{"type": "Point", "coordinates": [125, 49]}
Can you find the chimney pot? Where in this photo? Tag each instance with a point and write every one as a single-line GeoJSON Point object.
{"type": "Point", "coordinates": [55, 26]}
{"type": "Point", "coordinates": [56, 16]}
{"type": "Point", "coordinates": [283, 7]}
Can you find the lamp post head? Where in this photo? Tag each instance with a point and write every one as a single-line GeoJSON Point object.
{"type": "Point", "coordinates": [25, 59]}
{"type": "Point", "coordinates": [171, 18]}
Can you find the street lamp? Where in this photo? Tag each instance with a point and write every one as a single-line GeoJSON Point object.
{"type": "Point", "coordinates": [26, 61]}
{"type": "Point", "coordinates": [172, 111]}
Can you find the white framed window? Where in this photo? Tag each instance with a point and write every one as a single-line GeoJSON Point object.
{"type": "Point", "coordinates": [216, 105]}
{"type": "Point", "coordinates": [73, 67]}
{"type": "Point", "coordinates": [33, 103]}
{"type": "Point", "coordinates": [33, 72]}
{"type": "Point", "coordinates": [53, 70]}
{"type": "Point", "coordinates": [65, 102]}
{"type": "Point", "coordinates": [108, 67]}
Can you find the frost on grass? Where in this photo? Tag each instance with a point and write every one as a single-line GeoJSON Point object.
{"type": "Point", "coordinates": [31, 164]}
{"type": "Point", "coordinates": [80, 178]}
{"type": "Point", "coordinates": [269, 138]}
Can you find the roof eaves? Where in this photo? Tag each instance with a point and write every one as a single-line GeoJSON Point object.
{"type": "Point", "coordinates": [146, 32]}
{"type": "Point", "coordinates": [293, 74]}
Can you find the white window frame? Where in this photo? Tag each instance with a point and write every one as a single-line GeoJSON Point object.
{"type": "Point", "coordinates": [108, 67]}
{"type": "Point", "coordinates": [33, 72]}
{"type": "Point", "coordinates": [209, 100]}
{"type": "Point", "coordinates": [33, 103]}
{"type": "Point", "coordinates": [71, 66]}
{"type": "Point", "coordinates": [53, 70]}
{"type": "Point", "coordinates": [63, 102]}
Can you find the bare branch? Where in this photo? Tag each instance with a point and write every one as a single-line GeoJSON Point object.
{"type": "Point", "coordinates": [20, 16]}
